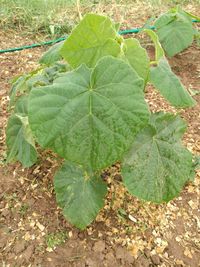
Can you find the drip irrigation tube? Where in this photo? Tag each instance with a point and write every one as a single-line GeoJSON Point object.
{"type": "Point", "coordinates": [129, 31]}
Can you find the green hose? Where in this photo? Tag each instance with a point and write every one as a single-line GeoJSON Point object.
{"type": "Point", "coordinates": [32, 45]}
{"type": "Point", "coordinates": [135, 30]}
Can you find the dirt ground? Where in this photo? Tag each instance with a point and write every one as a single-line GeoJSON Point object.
{"type": "Point", "coordinates": [127, 232]}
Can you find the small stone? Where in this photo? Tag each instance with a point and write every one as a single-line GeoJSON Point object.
{"type": "Point", "coordinates": [81, 235]}
{"type": "Point", "coordinates": [74, 235]}
{"type": "Point", "coordinates": [40, 226]}
{"type": "Point", "coordinates": [19, 246]}
{"type": "Point", "coordinates": [49, 249]}
{"type": "Point", "coordinates": [32, 224]}
{"type": "Point", "coordinates": [124, 255]}
{"type": "Point", "coordinates": [166, 255]}
{"type": "Point", "coordinates": [33, 237]}
{"type": "Point", "coordinates": [3, 241]}
{"type": "Point", "coordinates": [148, 234]}
{"type": "Point", "coordinates": [147, 252]}
{"type": "Point", "coordinates": [90, 262]}
{"type": "Point", "coordinates": [70, 234]}
{"type": "Point", "coordinates": [2, 92]}
{"type": "Point", "coordinates": [99, 246]}
{"type": "Point", "coordinates": [5, 213]}
{"type": "Point", "coordinates": [100, 234]}
{"type": "Point", "coordinates": [134, 251]}
{"type": "Point", "coordinates": [158, 240]}
{"type": "Point", "coordinates": [142, 261]}
{"type": "Point", "coordinates": [90, 231]}
{"type": "Point", "coordinates": [155, 259]}
{"type": "Point", "coordinates": [2, 205]}
{"type": "Point", "coordinates": [27, 236]}
{"type": "Point", "coordinates": [28, 253]}
{"type": "Point", "coordinates": [178, 238]}
{"type": "Point", "coordinates": [193, 205]}
{"type": "Point", "coordinates": [11, 256]}
{"type": "Point", "coordinates": [133, 219]}
{"type": "Point", "coordinates": [110, 260]}
{"type": "Point", "coordinates": [120, 253]}
{"type": "Point", "coordinates": [179, 262]}
{"type": "Point", "coordinates": [188, 253]}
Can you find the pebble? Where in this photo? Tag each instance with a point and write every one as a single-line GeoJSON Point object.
{"type": "Point", "coordinates": [99, 246]}
{"type": "Point", "coordinates": [155, 259]}
{"type": "Point", "coordinates": [147, 252]}
{"type": "Point", "coordinates": [20, 246]}
{"type": "Point", "coordinates": [28, 252]}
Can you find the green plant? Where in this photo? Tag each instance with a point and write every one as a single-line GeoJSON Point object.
{"type": "Point", "coordinates": [175, 30]}
{"type": "Point", "coordinates": [93, 113]}
{"type": "Point", "coordinates": [23, 209]}
{"type": "Point", "coordinates": [55, 239]}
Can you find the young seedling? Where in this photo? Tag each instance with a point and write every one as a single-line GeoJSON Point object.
{"type": "Point", "coordinates": [87, 105]}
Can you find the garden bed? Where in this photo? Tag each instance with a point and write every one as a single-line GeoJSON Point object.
{"type": "Point", "coordinates": [127, 232]}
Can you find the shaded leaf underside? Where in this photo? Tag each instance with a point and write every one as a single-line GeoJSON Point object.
{"type": "Point", "coordinates": [19, 141]}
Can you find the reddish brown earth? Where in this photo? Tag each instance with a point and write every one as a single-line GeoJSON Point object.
{"type": "Point", "coordinates": [127, 232]}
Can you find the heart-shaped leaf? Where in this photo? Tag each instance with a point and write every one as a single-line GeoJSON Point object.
{"type": "Point", "coordinates": [158, 166]}
{"type": "Point", "coordinates": [90, 116]}
{"type": "Point", "coordinates": [81, 197]}
{"type": "Point", "coordinates": [93, 38]}
{"type": "Point", "coordinates": [175, 31]}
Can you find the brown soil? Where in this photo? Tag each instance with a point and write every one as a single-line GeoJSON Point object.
{"type": "Point", "coordinates": [127, 232]}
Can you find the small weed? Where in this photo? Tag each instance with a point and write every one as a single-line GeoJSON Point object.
{"type": "Point", "coordinates": [23, 209]}
{"type": "Point", "coordinates": [12, 197]}
{"type": "Point", "coordinates": [122, 214]}
{"type": "Point", "coordinates": [55, 239]}
{"type": "Point", "coordinates": [40, 248]}
{"type": "Point", "coordinates": [128, 229]}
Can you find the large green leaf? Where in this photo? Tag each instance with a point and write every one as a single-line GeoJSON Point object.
{"type": "Point", "coordinates": [164, 19]}
{"type": "Point", "coordinates": [169, 85]}
{"type": "Point", "coordinates": [81, 197]}
{"type": "Point", "coordinates": [52, 55]}
{"type": "Point", "coordinates": [158, 166]}
{"type": "Point", "coordinates": [137, 57]}
{"type": "Point", "coordinates": [174, 35]}
{"type": "Point", "coordinates": [93, 38]}
{"type": "Point", "coordinates": [173, 14]}
{"type": "Point", "coordinates": [90, 116]}
{"type": "Point", "coordinates": [20, 141]}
